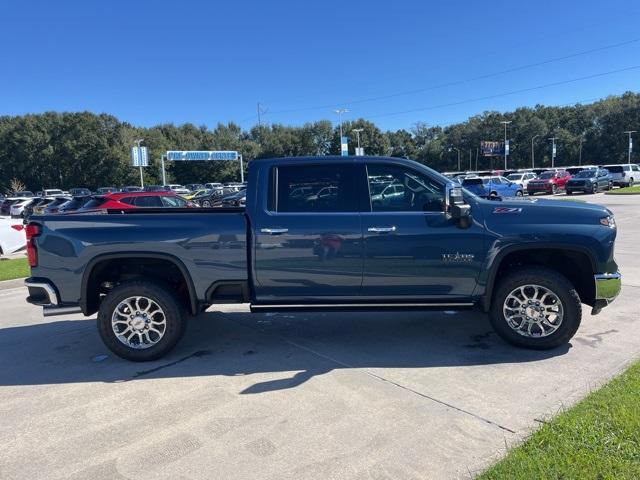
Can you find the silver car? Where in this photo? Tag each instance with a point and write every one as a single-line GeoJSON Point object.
{"type": "Point", "coordinates": [624, 175]}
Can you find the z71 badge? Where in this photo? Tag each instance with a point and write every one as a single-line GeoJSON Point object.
{"type": "Point", "coordinates": [507, 210]}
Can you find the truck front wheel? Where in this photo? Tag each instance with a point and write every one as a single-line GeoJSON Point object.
{"type": "Point", "coordinates": [536, 308]}
{"type": "Point", "coordinates": [141, 321]}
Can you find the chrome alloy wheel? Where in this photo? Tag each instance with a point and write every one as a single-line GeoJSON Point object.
{"type": "Point", "coordinates": [138, 322]}
{"type": "Point", "coordinates": [533, 311]}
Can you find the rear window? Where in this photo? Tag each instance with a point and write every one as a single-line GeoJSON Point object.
{"type": "Point", "coordinates": [615, 169]}
{"type": "Point", "coordinates": [326, 188]}
{"type": "Point", "coordinates": [472, 181]}
{"type": "Point", "coordinates": [95, 202]}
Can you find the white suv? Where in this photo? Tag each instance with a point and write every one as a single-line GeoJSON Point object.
{"type": "Point", "coordinates": [522, 178]}
{"type": "Point", "coordinates": [625, 174]}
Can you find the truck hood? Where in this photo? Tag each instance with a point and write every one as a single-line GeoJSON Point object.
{"type": "Point", "coordinates": [538, 210]}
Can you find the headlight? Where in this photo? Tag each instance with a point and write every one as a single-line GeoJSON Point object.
{"type": "Point", "coordinates": [608, 221]}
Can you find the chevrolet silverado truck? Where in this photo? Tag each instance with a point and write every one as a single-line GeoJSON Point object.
{"type": "Point", "coordinates": [329, 233]}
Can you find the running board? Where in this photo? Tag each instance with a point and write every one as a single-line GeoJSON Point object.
{"type": "Point", "coordinates": [359, 306]}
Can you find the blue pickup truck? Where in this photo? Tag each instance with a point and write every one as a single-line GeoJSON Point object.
{"type": "Point", "coordinates": [329, 233]}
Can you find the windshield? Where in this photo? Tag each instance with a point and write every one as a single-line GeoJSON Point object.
{"type": "Point", "coordinates": [586, 174]}
{"type": "Point", "coordinates": [547, 175]}
{"type": "Point", "coordinates": [615, 169]}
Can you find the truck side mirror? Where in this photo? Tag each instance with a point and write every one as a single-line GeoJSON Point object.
{"type": "Point", "coordinates": [455, 207]}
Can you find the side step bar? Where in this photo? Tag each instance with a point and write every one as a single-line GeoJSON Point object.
{"type": "Point", "coordinates": [358, 306]}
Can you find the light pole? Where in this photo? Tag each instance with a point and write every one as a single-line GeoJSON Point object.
{"type": "Point", "coordinates": [580, 151]}
{"type": "Point", "coordinates": [505, 123]}
{"type": "Point", "coordinates": [340, 111]}
{"type": "Point", "coordinates": [629, 132]}
{"type": "Point", "coordinates": [138, 142]}
{"type": "Point", "coordinates": [553, 151]}
{"type": "Point", "coordinates": [533, 153]}
{"type": "Point", "coordinates": [457, 150]}
{"type": "Point", "coordinates": [358, 130]}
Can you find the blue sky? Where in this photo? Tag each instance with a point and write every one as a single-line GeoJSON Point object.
{"type": "Point", "coordinates": [395, 63]}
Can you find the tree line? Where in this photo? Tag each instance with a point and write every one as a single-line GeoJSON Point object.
{"type": "Point", "coordinates": [84, 149]}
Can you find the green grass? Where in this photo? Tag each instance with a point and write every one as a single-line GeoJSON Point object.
{"type": "Point", "coordinates": [635, 190]}
{"type": "Point", "coordinates": [599, 438]}
{"type": "Point", "coordinates": [15, 268]}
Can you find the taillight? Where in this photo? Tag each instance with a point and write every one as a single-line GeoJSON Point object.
{"type": "Point", "coordinates": [32, 230]}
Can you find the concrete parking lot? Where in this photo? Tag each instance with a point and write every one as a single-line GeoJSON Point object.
{"type": "Point", "coordinates": [294, 396]}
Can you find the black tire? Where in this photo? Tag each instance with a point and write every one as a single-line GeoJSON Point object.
{"type": "Point", "coordinates": [175, 313]}
{"type": "Point", "coordinates": [519, 193]}
{"type": "Point", "coordinates": [594, 188]}
{"type": "Point", "coordinates": [206, 204]}
{"type": "Point", "coordinates": [631, 182]}
{"type": "Point", "coordinates": [569, 192]}
{"type": "Point", "coordinates": [553, 281]}
{"type": "Point", "coordinates": [554, 189]}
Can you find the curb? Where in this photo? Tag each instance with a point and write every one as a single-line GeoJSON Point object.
{"type": "Point", "coordinates": [9, 284]}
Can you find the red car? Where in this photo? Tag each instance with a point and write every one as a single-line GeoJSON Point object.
{"type": "Point", "coordinates": [551, 181]}
{"type": "Point", "coordinates": [126, 200]}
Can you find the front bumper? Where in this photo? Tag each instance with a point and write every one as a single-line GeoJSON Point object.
{"type": "Point", "coordinates": [608, 287]}
{"type": "Point", "coordinates": [545, 187]}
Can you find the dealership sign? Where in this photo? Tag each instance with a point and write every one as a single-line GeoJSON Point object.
{"type": "Point", "coordinates": [492, 149]}
{"type": "Point", "coordinates": [194, 155]}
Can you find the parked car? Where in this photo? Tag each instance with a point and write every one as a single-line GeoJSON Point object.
{"type": "Point", "coordinates": [196, 194]}
{"type": "Point", "coordinates": [237, 199]}
{"type": "Point", "coordinates": [590, 180]}
{"type": "Point", "coordinates": [17, 208]}
{"type": "Point", "coordinates": [493, 187]}
{"type": "Point", "coordinates": [177, 189]}
{"type": "Point", "coordinates": [213, 196]}
{"type": "Point", "coordinates": [132, 188]}
{"type": "Point", "coordinates": [40, 207]}
{"type": "Point", "coordinates": [577, 169]}
{"type": "Point", "coordinates": [54, 206]}
{"type": "Point", "coordinates": [521, 178]}
{"type": "Point", "coordinates": [157, 188]}
{"type": "Point", "coordinates": [551, 181]}
{"type": "Point", "coordinates": [441, 248]}
{"type": "Point", "coordinates": [105, 190]}
{"type": "Point", "coordinates": [129, 200]}
{"type": "Point", "coordinates": [5, 207]}
{"type": "Point", "coordinates": [74, 204]}
{"type": "Point", "coordinates": [51, 192]}
{"type": "Point", "coordinates": [23, 193]}
{"type": "Point", "coordinates": [193, 187]}
{"type": "Point", "coordinates": [624, 175]}
{"type": "Point", "coordinates": [79, 192]}
{"type": "Point", "coordinates": [12, 236]}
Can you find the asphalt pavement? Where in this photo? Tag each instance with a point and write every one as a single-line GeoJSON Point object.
{"type": "Point", "coordinates": [400, 395]}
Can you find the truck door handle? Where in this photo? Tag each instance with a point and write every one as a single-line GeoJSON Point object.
{"type": "Point", "coordinates": [382, 229]}
{"type": "Point", "coordinates": [274, 231]}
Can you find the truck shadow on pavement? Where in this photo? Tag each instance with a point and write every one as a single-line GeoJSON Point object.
{"type": "Point", "coordinates": [292, 347]}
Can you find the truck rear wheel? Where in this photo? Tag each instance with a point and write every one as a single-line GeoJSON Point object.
{"type": "Point", "coordinates": [141, 321]}
{"type": "Point", "coordinates": [537, 308]}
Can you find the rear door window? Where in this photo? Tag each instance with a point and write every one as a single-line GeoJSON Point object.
{"type": "Point", "coordinates": [411, 191]}
{"type": "Point", "coordinates": [316, 188]}
{"type": "Point", "coordinates": [148, 202]}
